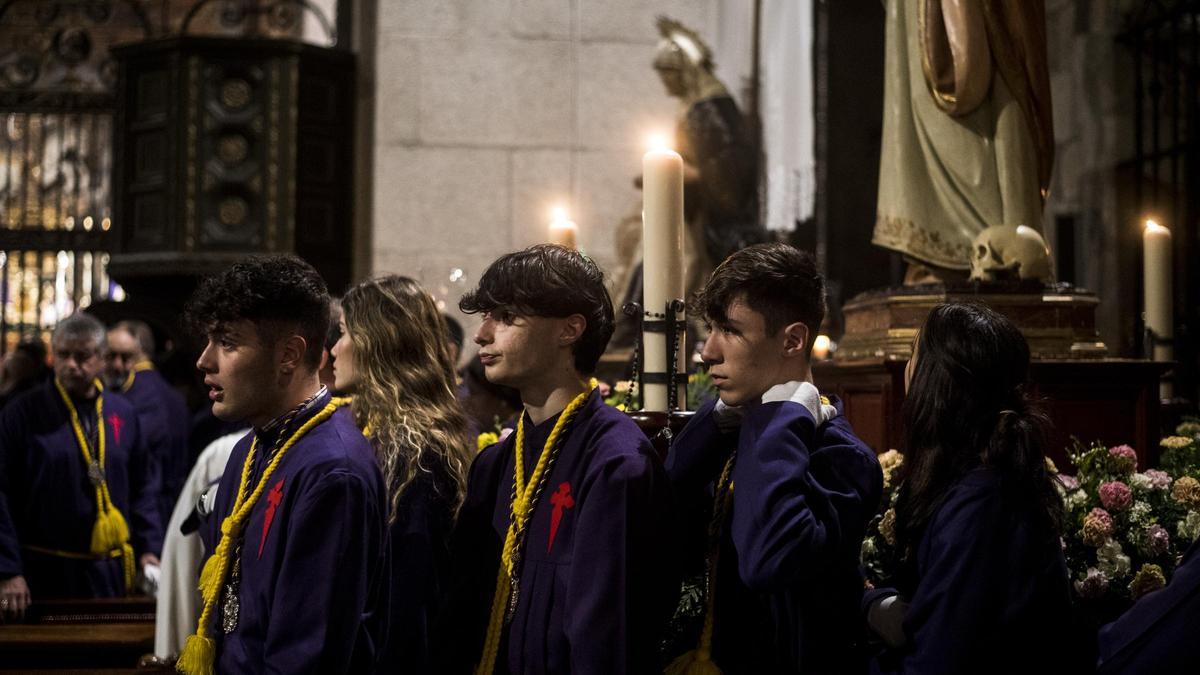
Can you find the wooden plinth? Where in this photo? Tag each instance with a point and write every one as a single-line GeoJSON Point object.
{"type": "Point", "coordinates": [1058, 323]}
{"type": "Point", "coordinates": [1113, 401]}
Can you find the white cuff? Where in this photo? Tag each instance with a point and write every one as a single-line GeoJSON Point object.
{"type": "Point", "coordinates": [804, 393]}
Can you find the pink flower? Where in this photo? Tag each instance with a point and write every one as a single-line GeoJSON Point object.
{"type": "Point", "coordinates": [1097, 527]}
{"type": "Point", "coordinates": [1157, 540]}
{"type": "Point", "coordinates": [1069, 483]}
{"type": "Point", "coordinates": [1124, 459]}
{"type": "Point", "coordinates": [1115, 496]}
{"type": "Point", "coordinates": [1159, 480]}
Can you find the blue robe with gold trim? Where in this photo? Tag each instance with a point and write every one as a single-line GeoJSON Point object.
{"type": "Point", "coordinates": [313, 555]}
{"type": "Point", "coordinates": [596, 583]}
{"type": "Point", "coordinates": [47, 500]}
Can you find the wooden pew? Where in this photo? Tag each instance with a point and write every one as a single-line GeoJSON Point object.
{"type": "Point", "coordinates": [104, 636]}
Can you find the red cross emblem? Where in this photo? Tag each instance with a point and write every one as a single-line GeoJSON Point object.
{"type": "Point", "coordinates": [561, 500]}
{"type": "Point", "coordinates": [274, 497]}
{"type": "Point", "coordinates": [116, 423]}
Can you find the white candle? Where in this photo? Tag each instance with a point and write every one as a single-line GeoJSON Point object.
{"type": "Point", "coordinates": [1156, 287]}
{"type": "Point", "coordinates": [563, 230]}
{"type": "Point", "coordinates": [662, 264]}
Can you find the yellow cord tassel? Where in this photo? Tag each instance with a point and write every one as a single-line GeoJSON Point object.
{"type": "Point", "coordinates": [110, 532]}
{"type": "Point", "coordinates": [199, 652]}
{"type": "Point", "coordinates": [198, 656]}
{"type": "Point", "coordinates": [524, 496]}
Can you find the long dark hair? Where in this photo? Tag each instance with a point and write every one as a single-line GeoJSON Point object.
{"type": "Point", "coordinates": [968, 406]}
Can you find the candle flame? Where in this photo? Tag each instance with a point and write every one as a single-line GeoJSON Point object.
{"type": "Point", "coordinates": [657, 141]}
{"type": "Point", "coordinates": [559, 214]}
{"type": "Point", "coordinates": [1152, 225]}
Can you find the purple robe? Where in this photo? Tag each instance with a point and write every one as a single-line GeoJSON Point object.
{"type": "Point", "coordinates": [163, 419]}
{"type": "Point", "coordinates": [989, 593]}
{"type": "Point", "coordinates": [596, 582]}
{"type": "Point", "coordinates": [310, 597]}
{"type": "Point", "coordinates": [47, 500]}
{"type": "Point", "coordinates": [788, 580]}
{"type": "Point", "coordinates": [418, 544]}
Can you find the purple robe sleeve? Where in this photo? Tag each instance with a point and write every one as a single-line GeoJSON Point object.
{"type": "Point", "coordinates": [145, 480]}
{"type": "Point", "coordinates": [695, 460]}
{"type": "Point", "coordinates": [11, 463]}
{"type": "Point", "coordinates": [323, 583]}
{"type": "Point", "coordinates": [784, 524]}
{"type": "Point", "coordinates": [617, 545]}
{"type": "Point", "coordinates": [1158, 634]}
{"type": "Point", "coordinates": [954, 604]}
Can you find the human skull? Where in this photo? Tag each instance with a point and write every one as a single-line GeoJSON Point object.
{"type": "Point", "coordinates": [1002, 251]}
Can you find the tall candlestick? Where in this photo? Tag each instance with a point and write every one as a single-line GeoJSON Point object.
{"type": "Point", "coordinates": [662, 270]}
{"type": "Point", "coordinates": [563, 230]}
{"type": "Point", "coordinates": [1157, 298]}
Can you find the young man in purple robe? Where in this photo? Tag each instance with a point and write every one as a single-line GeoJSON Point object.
{"type": "Point", "coordinates": [78, 489]}
{"type": "Point", "coordinates": [775, 490]}
{"type": "Point", "coordinates": [298, 528]}
{"type": "Point", "coordinates": [163, 416]}
{"type": "Point", "coordinates": [562, 543]}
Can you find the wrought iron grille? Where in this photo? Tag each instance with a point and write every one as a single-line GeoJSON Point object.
{"type": "Point", "coordinates": [56, 103]}
{"type": "Point", "coordinates": [57, 84]}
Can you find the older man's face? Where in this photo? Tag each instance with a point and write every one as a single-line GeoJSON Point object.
{"type": "Point", "coordinates": [77, 363]}
{"type": "Point", "coordinates": [122, 354]}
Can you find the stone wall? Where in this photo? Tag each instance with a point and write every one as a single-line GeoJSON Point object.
{"type": "Point", "coordinates": [489, 112]}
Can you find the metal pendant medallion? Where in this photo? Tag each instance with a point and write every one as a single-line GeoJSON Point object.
{"type": "Point", "coordinates": [230, 605]}
{"type": "Point", "coordinates": [513, 595]}
{"type": "Point", "coordinates": [229, 609]}
{"type": "Point", "coordinates": [95, 473]}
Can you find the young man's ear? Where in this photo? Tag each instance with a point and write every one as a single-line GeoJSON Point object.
{"type": "Point", "coordinates": [572, 330]}
{"type": "Point", "coordinates": [292, 357]}
{"type": "Point", "coordinates": [795, 339]}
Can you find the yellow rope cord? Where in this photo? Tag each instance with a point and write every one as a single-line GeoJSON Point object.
{"type": "Point", "coordinates": [137, 368]}
{"type": "Point", "coordinates": [110, 532]}
{"type": "Point", "coordinates": [199, 653]}
{"type": "Point", "coordinates": [524, 501]}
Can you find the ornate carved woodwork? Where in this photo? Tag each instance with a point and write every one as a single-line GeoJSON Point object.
{"type": "Point", "coordinates": [226, 147]}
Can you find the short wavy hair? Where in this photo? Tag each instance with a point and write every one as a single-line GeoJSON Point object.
{"type": "Point", "coordinates": [776, 280]}
{"type": "Point", "coordinates": [279, 294]}
{"type": "Point", "coordinates": [551, 281]}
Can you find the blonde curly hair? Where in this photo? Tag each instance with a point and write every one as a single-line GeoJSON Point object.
{"type": "Point", "coordinates": [405, 389]}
